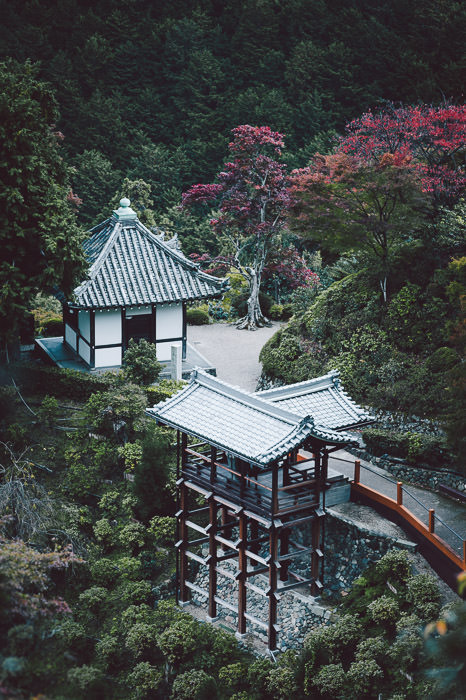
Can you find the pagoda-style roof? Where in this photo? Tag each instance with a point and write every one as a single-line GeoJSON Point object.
{"type": "Point", "coordinates": [323, 398]}
{"type": "Point", "coordinates": [240, 423]}
{"type": "Point", "coordinates": [131, 265]}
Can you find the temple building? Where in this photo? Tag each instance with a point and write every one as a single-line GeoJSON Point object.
{"type": "Point", "coordinates": [241, 455]}
{"type": "Point", "coordinates": [138, 286]}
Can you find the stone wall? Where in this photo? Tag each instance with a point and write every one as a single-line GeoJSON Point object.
{"type": "Point", "coordinates": [350, 547]}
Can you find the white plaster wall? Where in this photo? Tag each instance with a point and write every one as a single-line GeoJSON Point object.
{"type": "Point", "coordinates": [84, 351]}
{"type": "Point", "coordinates": [70, 336]}
{"type": "Point", "coordinates": [108, 329]}
{"type": "Point", "coordinates": [108, 357]}
{"type": "Point", "coordinates": [138, 310]}
{"type": "Point", "coordinates": [164, 353]}
{"type": "Point", "coordinates": [169, 321]}
{"type": "Point", "coordinates": [84, 324]}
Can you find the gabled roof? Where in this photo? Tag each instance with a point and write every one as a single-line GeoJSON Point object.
{"type": "Point", "coordinates": [131, 265]}
{"type": "Point", "coordinates": [323, 398]}
{"type": "Point", "coordinates": [239, 422]}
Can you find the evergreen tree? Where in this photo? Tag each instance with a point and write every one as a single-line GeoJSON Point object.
{"type": "Point", "coordinates": [39, 237]}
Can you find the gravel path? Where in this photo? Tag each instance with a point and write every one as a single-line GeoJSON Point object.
{"type": "Point", "coordinates": [234, 353]}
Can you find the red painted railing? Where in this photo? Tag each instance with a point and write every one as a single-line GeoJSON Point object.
{"type": "Point", "coordinates": [425, 530]}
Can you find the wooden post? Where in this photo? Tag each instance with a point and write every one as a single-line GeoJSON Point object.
{"type": "Point", "coordinates": [178, 454]}
{"type": "Point", "coordinates": [226, 532]}
{"type": "Point", "coordinates": [272, 633]}
{"type": "Point", "coordinates": [464, 553]}
{"type": "Point", "coordinates": [275, 504]}
{"type": "Point", "coordinates": [315, 538]}
{"type": "Point", "coordinates": [184, 593]}
{"type": "Point", "coordinates": [213, 467]}
{"type": "Point", "coordinates": [184, 456]}
{"type": "Point", "coordinates": [243, 565]}
{"type": "Point", "coordinates": [212, 559]}
{"type": "Point", "coordinates": [324, 476]}
{"type": "Point", "coordinates": [357, 471]}
{"type": "Point", "coordinates": [399, 493]}
{"type": "Point", "coordinates": [284, 549]}
{"type": "Point", "coordinates": [431, 520]}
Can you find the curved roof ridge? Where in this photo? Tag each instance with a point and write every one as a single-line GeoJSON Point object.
{"type": "Point", "coordinates": [100, 260]}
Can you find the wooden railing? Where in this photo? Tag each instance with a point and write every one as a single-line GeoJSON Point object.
{"type": "Point", "coordinates": [425, 530]}
{"type": "Point", "coordinates": [249, 491]}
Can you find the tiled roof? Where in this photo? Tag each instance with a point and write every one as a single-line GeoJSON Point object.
{"type": "Point", "coordinates": [130, 265]}
{"type": "Point", "coordinates": [238, 422]}
{"type": "Point", "coordinates": [323, 398]}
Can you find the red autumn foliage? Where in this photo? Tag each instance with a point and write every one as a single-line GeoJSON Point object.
{"type": "Point", "coordinates": [433, 139]}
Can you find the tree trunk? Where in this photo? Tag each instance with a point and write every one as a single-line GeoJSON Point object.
{"type": "Point", "coordinates": [254, 318]}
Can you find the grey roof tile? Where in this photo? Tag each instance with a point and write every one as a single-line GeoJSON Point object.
{"type": "Point", "coordinates": [238, 422]}
{"type": "Point", "coordinates": [323, 398]}
{"type": "Point", "coordinates": [130, 265]}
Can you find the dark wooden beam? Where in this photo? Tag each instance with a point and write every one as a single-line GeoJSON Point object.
{"type": "Point", "coordinates": [212, 559]}
{"type": "Point", "coordinates": [183, 568]}
{"type": "Point", "coordinates": [272, 632]}
{"type": "Point", "coordinates": [243, 569]}
{"type": "Point", "coordinates": [315, 558]}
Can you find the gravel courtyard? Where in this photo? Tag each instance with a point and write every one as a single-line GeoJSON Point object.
{"type": "Point", "coordinates": [234, 353]}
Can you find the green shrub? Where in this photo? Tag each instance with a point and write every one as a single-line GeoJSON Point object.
{"type": "Point", "coordinates": [394, 566]}
{"type": "Point", "coordinates": [163, 390]}
{"type": "Point", "coordinates": [132, 536]}
{"type": "Point", "coordinates": [281, 683]}
{"type": "Point", "coordinates": [141, 639]}
{"type": "Point", "coordinates": [152, 474]}
{"type": "Point", "coordinates": [61, 383]}
{"type": "Point", "coordinates": [276, 312]}
{"type": "Point", "coordinates": [144, 680]}
{"type": "Point", "coordinates": [232, 677]}
{"type": "Point", "coordinates": [104, 572]}
{"type": "Point", "coordinates": [330, 681]}
{"type": "Point", "coordinates": [53, 328]}
{"type": "Point", "coordinates": [21, 639]}
{"type": "Point", "coordinates": [384, 611]}
{"type": "Point", "coordinates": [363, 678]}
{"type": "Point", "coordinates": [135, 593]}
{"type": "Point", "coordinates": [94, 599]}
{"type": "Point", "coordinates": [122, 409]}
{"type": "Point", "coordinates": [179, 641]}
{"type": "Point", "coordinates": [48, 411]}
{"type": "Point", "coordinates": [86, 679]}
{"type": "Point", "coordinates": [109, 651]}
{"type": "Point", "coordinates": [414, 447]}
{"type": "Point", "coordinates": [162, 529]}
{"type": "Point", "coordinates": [194, 685]}
{"type": "Point", "coordinates": [140, 364]}
{"type": "Point", "coordinates": [442, 360]}
{"type": "Point", "coordinates": [424, 595]}
{"type": "Point", "coordinates": [104, 533]}
{"type": "Point", "coordinates": [197, 316]}
{"type": "Point", "coordinates": [131, 453]}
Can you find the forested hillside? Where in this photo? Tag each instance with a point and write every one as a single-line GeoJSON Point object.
{"type": "Point", "coordinates": [139, 98]}
{"type": "Point", "coordinates": [151, 90]}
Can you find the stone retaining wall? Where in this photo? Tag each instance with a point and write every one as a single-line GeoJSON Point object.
{"type": "Point", "coordinates": [349, 550]}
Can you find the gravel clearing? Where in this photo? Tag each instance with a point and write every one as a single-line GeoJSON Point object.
{"type": "Point", "coordinates": [234, 353]}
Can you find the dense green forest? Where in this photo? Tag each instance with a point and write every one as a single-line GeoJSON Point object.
{"type": "Point", "coordinates": [138, 98]}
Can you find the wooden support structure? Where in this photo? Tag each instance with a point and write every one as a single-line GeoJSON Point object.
{"type": "Point", "coordinates": [243, 568]}
{"type": "Point", "coordinates": [251, 541]}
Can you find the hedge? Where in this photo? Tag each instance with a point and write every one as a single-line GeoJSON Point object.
{"type": "Point", "coordinates": [197, 317]}
{"type": "Point", "coordinates": [162, 391]}
{"type": "Point", "coordinates": [61, 383]}
{"type": "Point", "coordinates": [414, 447]}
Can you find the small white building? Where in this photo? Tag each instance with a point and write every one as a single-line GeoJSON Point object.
{"type": "Point", "coordinates": [138, 286]}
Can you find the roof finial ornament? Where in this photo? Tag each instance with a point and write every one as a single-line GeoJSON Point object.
{"type": "Point", "coordinates": [124, 212]}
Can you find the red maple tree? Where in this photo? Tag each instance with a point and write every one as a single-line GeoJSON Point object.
{"type": "Point", "coordinates": [253, 198]}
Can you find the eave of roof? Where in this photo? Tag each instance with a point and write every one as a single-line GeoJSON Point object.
{"type": "Point", "coordinates": [233, 411]}
{"type": "Point", "coordinates": [131, 266]}
{"type": "Point", "coordinates": [345, 414]}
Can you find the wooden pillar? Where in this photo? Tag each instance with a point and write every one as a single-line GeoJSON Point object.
{"type": "Point", "coordinates": [284, 549]}
{"type": "Point", "coordinates": [315, 538]}
{"type": "Point", "coordinates": [324, 476]}
{"type": "Point", "coordinates": [243, 565]}
{"type": "Point", "coordinates": [357, 471]}
{"type": "Point", "coordinates": [226, 531]}
{"type": "Point", "coordinates": [184, 445]}
{"type": "Point", "coordinates": [399, 493]}
{"type": "Point", "coordinates": [275, 504]}
{"type": "Point", "coordinates": [213, 466]}
{"type": "Point", "coordinates": [431, 520]}
{"type": "Point", "coordinates": [272, 633]}
{"type": "Point", "coordinates": [212, 559]}
{"type": "Point", "coordinates": [183, 568]}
